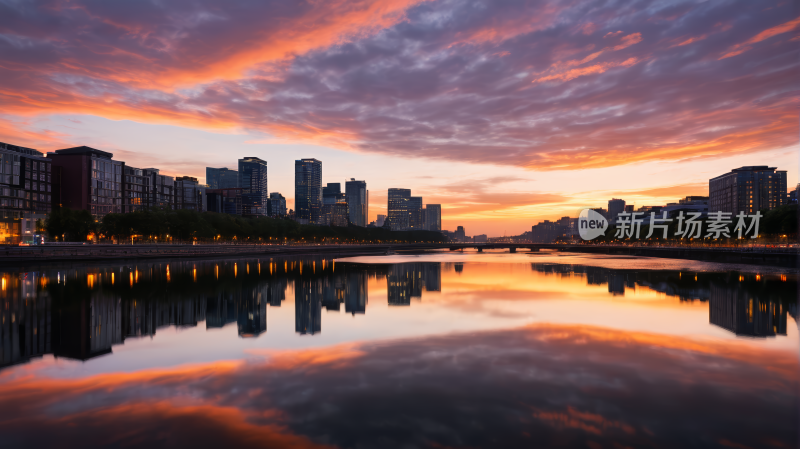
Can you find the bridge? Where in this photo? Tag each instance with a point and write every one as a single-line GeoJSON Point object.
{"type": "Point", "coordinates": [13, 255]}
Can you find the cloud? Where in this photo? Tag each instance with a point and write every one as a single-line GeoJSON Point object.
{"type": "Point", "coordinates": [527, 84]}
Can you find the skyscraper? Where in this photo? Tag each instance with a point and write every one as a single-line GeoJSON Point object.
{"type": "Point", "coordinates": [398, 209]}
{"type": "Point", "coordinates": [615, 207]}
{"type": "Point", "coordinates": [307, 190]}
{"type": "Point", "coordinates": [748, 190]}
{"type": "Point", "coordinates": [433, 217]}
{"type": "Point", "coordinates": [357, 197]}
{"type": "Point", "coordinates": [415, 218]}
{"type": "Point", "coordinates": [222, 178]}
{"type": "Point", "coordinates": [253, 181]}
{"type": "Point", "coordinates": [277, 205]}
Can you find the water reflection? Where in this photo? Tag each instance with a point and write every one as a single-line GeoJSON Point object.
{"type": "Point", "coordinates": [541, 383]}
{"type": "Point", "coordinates": [751, 305]}
{"type": "Point", "coordinates": [83, 312]}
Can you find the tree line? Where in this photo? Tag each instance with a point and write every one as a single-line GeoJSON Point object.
{"type": "Point", "coordinates": [187, 226]}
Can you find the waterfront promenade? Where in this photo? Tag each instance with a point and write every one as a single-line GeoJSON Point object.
{"type": "Point", "coordinates": [12, 255]}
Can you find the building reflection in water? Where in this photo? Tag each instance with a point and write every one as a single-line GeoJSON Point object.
{"type": "Point", "coordinates": [750, 305]}
{"type": "Point", "coordinates": [406, 281]}
{"type": "Point", "coordinates": [82, 312]}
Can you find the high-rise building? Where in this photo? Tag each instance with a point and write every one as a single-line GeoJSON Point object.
{"type": "Point", "coordinates": [615, 207]}
{"type": "Point", "coordinates": [398, 215]}
{"type": "Point", "coordinates": [224, 201]}
{"type": "Point", "coordinates": [253, 182]}
{"type": "Point", "coordinates": [415, 217]}
{"type": "Point", "coordinates": [747, 189]}
{"type": "Point", "coordinates": [277, 205]}
{"type": "Point", "coordinates": [460, 234]}
{"type": "Point", "coordinates": [26, 190]}
{"type": "Point", "coordinates": [334, 206]}
{"type": "Point", "coordinates": [136, 191]}
{"type": "Point", "coordinates": [162, 189]}
{"type": "Point", "coordinates": [89, 179]}
{"type": "Point", "coordinates": [380, 221]}
{"type": "Point", "coordinates": [433, 217]}
{"type": "Point", "coordinates": [222, 178]}
{"type": "Point", "coordinates": [357, 197]}
{"type": "Point", "coordinates": [307, 190]}
{"type": "Point", "coordinates": [189, 194]}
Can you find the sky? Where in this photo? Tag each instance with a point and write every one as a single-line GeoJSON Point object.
{"type": "Point", "coordinates": [504, 112]}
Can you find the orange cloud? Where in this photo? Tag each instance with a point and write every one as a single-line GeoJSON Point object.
{"type": "Point", "coordinates": [764, 35]}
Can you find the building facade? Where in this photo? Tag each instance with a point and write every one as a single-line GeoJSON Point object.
{"type": "Point", "coordinates": [189, 194]}
{"type": "Point", "coordinates": [433, 217]}
{"type": "Point", "coordinates": [277, 205]}
{"type": "Point", "coordinates": [253, 182]}
{"type": "Point", "coordinates": [162, 189]}
{"type": "Point", "coordinates": [222, 178]}
{"type": "Point", "coordinates": [136, 190]}
{"type": "Point", "coordinates": [357, 197]}
{"type": "Point", "coordinates": [25, 192]}
{"type": "Point", "coordinates": [88, 179]}
{"type": "Point", "coordinates": [615, 207]}
{"type": "Point", "coordinates": [748, 189]}
{"type": "Point", "coordinates": [398, 215]}
{"type": "Point", "coordinates": [307, 190]}
{"type": "Point", "coordinates": [416, 219]}
{"type": "Point", "coordinates": [224, 201]}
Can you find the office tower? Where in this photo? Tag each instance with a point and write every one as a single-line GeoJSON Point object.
{"type": "Point", "coordinates": [189, 194]}
{"type": "Point", "coordinates": [615, 207]}
{"type": "Point", "coordinates": [162, 189]}
{"type": "Point", "coordinates": [253, 182]}
{"type": "Point", "coordinates": [307, 190]}
{"type": "Point", "coordinates": [415, 218]}
{"type": "Point", "coordinates": [136, 191]}
{"type": "Point", "coordinates": [26, 191]}
{"type": "Point", "coordinates": [461, 235]}
{"type": "Point", "coordinates": [629, 208]}
{"type": "Point", "coordinates": [748, 190]}
{"type": "Point", "coordinates": [224, 201]}
{"type": "Point", "coordinates": [433, 217]}
{"type": "Point", "coordinates": [222, 178]}
{"type": "Point", "coordinates": [334, 206]}
{"type": "Point", "coordinates": [332, 193]}
{"type": "Point", "coordinates": [90, 180]}
{"type": "Point", "coordinates": [398, 216]}
{"type": "Point", "coordinates": [380, 221]}
{"type": "Point", "coordinates": [357, 197]}
{"type": "Point", "coordinates": [308, 306]}
{"type": "Point", "coordinates": [277, 205]}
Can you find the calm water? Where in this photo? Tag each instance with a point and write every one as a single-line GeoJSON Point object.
{"type": "Point", "coordinates": [439, 350]}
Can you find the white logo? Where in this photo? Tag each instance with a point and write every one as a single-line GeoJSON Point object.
{"type": "Point", "coordinates": [591, 224]}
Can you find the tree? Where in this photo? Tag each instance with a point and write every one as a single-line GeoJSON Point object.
{"type": "Point", "coordinates": [70, 225]}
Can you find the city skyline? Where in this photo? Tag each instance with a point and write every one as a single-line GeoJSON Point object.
{"type": "Point", "coordinates": [540, 118]}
